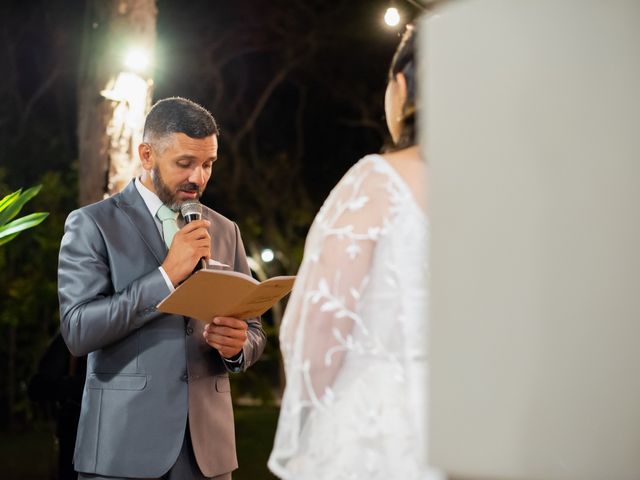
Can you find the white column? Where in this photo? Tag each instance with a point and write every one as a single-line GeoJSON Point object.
{"type": "Point", "coordinates": [532, 133]}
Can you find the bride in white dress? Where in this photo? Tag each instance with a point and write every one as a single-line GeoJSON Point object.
{"type": "Point", "coordinates": [353, 337]}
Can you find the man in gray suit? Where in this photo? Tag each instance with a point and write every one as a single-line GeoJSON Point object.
{"type": "Point", "coordinates": [157, 401]}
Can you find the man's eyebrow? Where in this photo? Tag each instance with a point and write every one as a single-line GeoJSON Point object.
{"type": "Point", "coordinates": [186, 157]}
{"type": "Point", "coordinates": [193, 157]}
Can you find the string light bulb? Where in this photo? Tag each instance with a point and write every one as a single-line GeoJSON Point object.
{"type": "Point", "coordinates": [392, 17]}
{"type": "Point", "coordinates": [267, 255]}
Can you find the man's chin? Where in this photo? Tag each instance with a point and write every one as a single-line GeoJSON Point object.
{"type": "Point", "coordinates": [179, 198]}
{"type": "Point", "coordinates": [174, 205]}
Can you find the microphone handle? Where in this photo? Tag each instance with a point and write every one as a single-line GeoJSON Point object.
{"type": "Point", "coordinates": [202, 263]}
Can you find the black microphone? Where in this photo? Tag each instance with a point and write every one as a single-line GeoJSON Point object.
{"type": "Point", "coordinates": [192, 210]}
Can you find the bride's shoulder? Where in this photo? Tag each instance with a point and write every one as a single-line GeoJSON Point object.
{"type": "Point", "coordinates": [365, 187]}
{"type": "Point", "coordinates": [377, 181]}
{"type": "Point", "coordinates": [405, 165]}
{"type": "Point", "coordinates": [369, 170]}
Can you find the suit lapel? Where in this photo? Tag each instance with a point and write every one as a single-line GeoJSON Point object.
{"type": "Point", "coordinates": [133, 206]}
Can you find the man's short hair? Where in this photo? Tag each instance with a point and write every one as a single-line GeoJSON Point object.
{"type": "Point", "coordinates": [178, 115]}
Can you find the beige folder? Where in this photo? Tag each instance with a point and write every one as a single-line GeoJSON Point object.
{"type": "Point", "coordinates": [219, 293]}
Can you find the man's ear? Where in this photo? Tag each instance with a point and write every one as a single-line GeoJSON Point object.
{"type": "Point", "coordinates": [144, 150]}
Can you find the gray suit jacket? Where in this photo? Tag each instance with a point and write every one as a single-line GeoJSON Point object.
{"type": "Point", "coordinates": [147, 372]}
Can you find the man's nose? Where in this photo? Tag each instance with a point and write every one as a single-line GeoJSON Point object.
{"type": "Point", "coordinates": [198, 176]}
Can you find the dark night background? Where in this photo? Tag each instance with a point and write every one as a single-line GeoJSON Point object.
{"type": "Point", "coordinates": [323, 65]}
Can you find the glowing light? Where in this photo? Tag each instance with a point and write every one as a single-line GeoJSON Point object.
{"type": "Point", "coordinates": [130, 97]}
{"type": "Point", "coordinates": [128, 87]}
{"type": "Point", "coordinates": [137, 60]}
{"type": "Point", "coordinates": [267, 255]}
{"type": "Point", "coordinates": [392, 17]}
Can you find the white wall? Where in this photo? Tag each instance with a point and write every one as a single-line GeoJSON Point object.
{"type": "Point", "coordinates": [532, 134]}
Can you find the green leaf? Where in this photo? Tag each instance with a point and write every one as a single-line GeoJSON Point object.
{"type": "Point", "coordinates": [9, 199]}
{"type": "Point", "coordinates": [22, 223]}
{"type": "Point", "coordinates": [8, 239]}
{"type": "Point", "coordinates": [16, 205]}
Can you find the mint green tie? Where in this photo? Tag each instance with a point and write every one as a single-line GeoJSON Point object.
{"type": "Point", "coordinates": [169, 225]}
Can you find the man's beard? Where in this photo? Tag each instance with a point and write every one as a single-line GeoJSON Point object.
{"type": "Point", "coordinates": [166, 196]}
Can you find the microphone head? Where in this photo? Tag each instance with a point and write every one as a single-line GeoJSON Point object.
{"type": "Point", "coordinates": [191, 210]}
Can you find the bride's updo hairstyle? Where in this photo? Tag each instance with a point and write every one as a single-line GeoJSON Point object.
{"type": "Point", "coordinates": [404, 62]}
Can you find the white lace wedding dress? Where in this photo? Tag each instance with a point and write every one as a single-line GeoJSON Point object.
{"type": "Point", "coordinates": [354, 337]}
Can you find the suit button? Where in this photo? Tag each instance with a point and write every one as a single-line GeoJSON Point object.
{"type": "Point", "coordinates": [189, 330]}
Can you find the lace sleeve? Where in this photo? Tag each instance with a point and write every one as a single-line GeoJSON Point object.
{"type": "Point", "coordinates": [318, 329]}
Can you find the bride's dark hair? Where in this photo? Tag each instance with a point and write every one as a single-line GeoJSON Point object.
{"type": "Point", "coordinates": [404, 62]}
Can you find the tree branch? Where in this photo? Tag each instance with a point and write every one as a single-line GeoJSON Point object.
{"type": "Point", "coordinates": [42, 89]}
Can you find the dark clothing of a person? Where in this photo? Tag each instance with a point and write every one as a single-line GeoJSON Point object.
{"type": "Point", "coordinates": [58, 385]}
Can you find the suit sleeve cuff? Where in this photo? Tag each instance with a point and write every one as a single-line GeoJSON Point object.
{"type": "Point", "coordinates": [166, 279]}
{"type": "Point", "coordinates": [235, 363]}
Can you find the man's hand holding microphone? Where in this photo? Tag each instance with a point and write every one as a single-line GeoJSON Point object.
{"type": "Point", "coordinates": [191, 245]}
{"type": "Point", "coordinates": [191, 250]}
